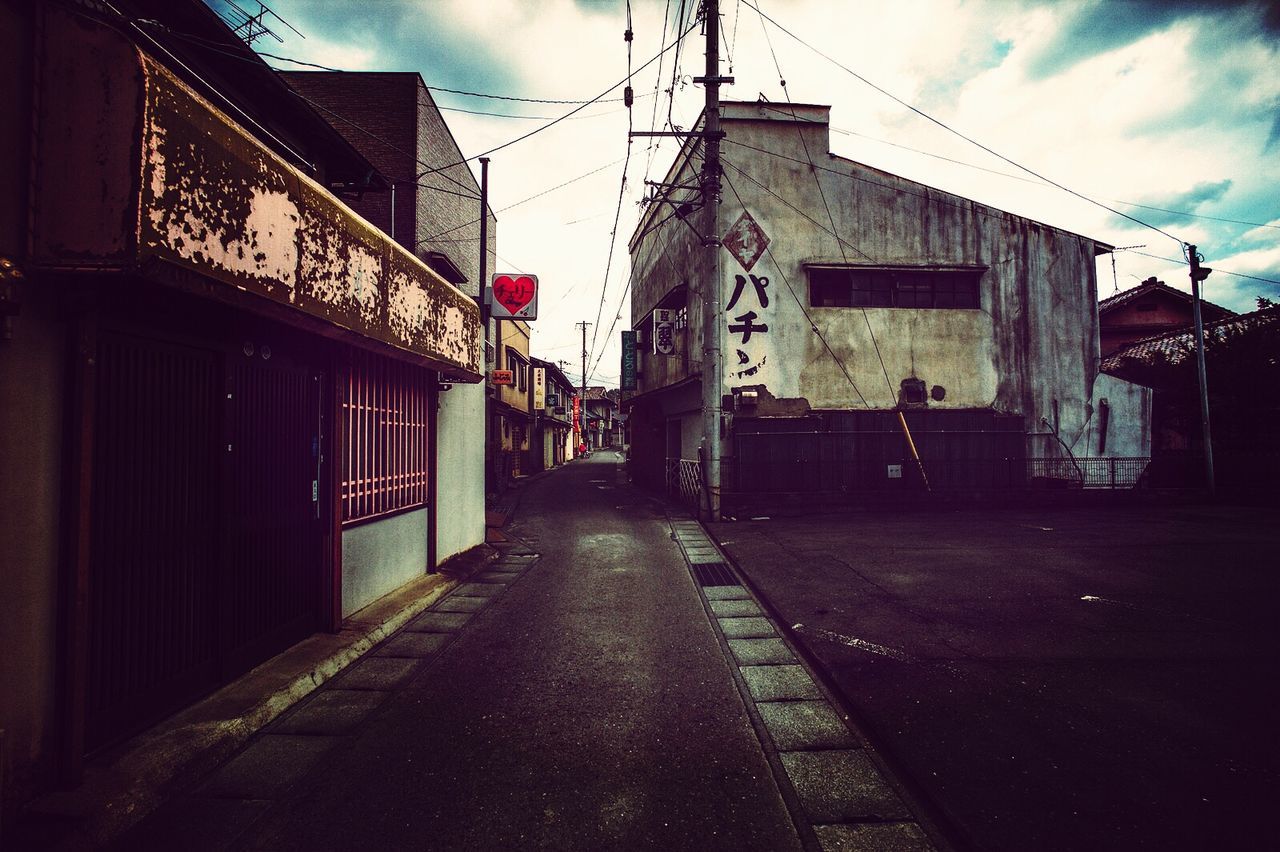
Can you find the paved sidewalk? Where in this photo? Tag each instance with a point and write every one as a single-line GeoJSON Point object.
{"type": "Point", "coordinates": [588, 691]}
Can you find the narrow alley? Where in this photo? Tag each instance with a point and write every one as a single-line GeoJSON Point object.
{"type": "Point", "coordinates": [573, 695]}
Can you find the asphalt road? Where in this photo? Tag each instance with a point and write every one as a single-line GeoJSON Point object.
{"type": "Point", "coordinates": [1075, 679]}
{"type": "Point", "coordinates": [586, 706]}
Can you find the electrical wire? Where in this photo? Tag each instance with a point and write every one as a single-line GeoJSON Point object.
{"type": "Point", "coordinates": [436, 237]}
{"type": "Point", "coordinates": [1184, 262]}
{"type": "Point", "coordinates": [817, 179]}
{"type": "Point", "coordinates": [571, 112]}
{"type": "Point", "coordinates": [808, 317]}
{"type": "Point", "coordinates": [622, 189]}
{"type": "Point", "coordinates": [955, 132]}
{"type": "Point", "coordinates": [1034, 182]}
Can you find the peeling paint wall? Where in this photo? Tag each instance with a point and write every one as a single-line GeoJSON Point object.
{"type": "Point", "coordinates": [209, 197]}
{"type": "Point", "coordinates": [1031, 344]}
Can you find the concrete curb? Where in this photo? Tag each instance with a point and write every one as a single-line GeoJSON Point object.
{"type": "Point", "coordinates": [840, 793]}
{"type": "Point", "coordinates": [124, 784]}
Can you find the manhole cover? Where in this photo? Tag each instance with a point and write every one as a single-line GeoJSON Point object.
{"type": "Point", "coordinates": [713, 574]}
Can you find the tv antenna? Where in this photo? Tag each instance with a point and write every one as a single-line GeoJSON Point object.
{"type": "Point", "coordinates": [251, 26]}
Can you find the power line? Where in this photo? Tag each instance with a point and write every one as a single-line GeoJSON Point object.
{"type": "Point", "coordinates": [571, 112]}
{"type": "Point", "coordinates": [952, 130]}
{"type": "Point", "coordinates": [627, 289]}
{"type": "Point", "coordinates": [436, 237]}
{"type": "Point", "coordinates": [622, 189]}
{"type": "Point", "coordinates": [1183, 262]}
{"type": "Point", "coordinates": [817, 179]}
{"type": "Point", "coordinates": [533, 117]}
{"type": "Point", "coordinates": [1034, 182]}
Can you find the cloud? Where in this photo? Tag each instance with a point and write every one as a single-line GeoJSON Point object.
{"type": "Point", "coordinates": [1168, 104]}
{"type": "Point", "coordinates": [1094, 28]}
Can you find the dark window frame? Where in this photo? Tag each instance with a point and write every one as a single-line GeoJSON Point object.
{"type": "Point", "coordinates": [928, 288]}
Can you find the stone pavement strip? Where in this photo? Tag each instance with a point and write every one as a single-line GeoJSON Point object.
{"type": "Point", "coordinates": [839, 790]}
{"type": "Point", "coordinates": [562, 713]}
{"type": "Point", "coordinates": [237, 794]}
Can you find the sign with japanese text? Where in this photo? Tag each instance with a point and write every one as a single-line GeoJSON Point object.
{"type": "Point", "coordinates": [539, 388]}
{"type": "Point", "coordinates": [628, 361]}
{"type": "Point", "coordinates": [664, 331]}
{"type": "Point", "coordinates": [514, 295]}
{"type": "Point", "coordinates": [577, 424]}
{"type": "Point", "coordinates": [746, 241]}
{"type": "Point", "coordinates": [502, 377]}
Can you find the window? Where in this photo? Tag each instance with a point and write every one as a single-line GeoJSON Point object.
{"type": "Point", "coordinates": [519, 370]}
{"type": "Point", "coordinates": [385, 411]}
{"type": "Point", "coordinates": [894, 288]}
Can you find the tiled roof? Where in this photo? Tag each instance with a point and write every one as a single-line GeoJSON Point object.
{"type": "Point", "coordinates": [1152, 286]}
{"type": "Point", "coordinates": [1174, 346]}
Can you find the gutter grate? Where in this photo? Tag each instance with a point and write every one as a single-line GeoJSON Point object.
{"type": "Point", "coordinates": [713, 574]}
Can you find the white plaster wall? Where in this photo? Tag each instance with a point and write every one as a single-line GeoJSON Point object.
{"type": "Point", "coordinates": [381, 556]}
{"type": "Point", "coordinates": [460, 470]}
{"type": "Point", "coordinates": [1129, 427]}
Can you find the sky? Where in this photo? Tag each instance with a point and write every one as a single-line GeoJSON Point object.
{"type": "Point", "coordinates": [1134, 104]}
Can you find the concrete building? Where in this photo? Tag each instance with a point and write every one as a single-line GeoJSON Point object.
{"type": "Point", "coordinates": [978, 325]}
{"type": "Point", "coordinates": [511, 419]}
{"type": "Point", "coordinates": [431, 208]}
{"type": "Point", "coordinates": [553, 429]}
{"type": "Point", "coordinates": [218, 384]}
{"type": "Point", "coordinates": [602, 418]}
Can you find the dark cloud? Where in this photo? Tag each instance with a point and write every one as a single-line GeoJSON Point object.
{"type": "Point", "coordinates": [1201, 193]}
{"type": "Point", "coordinates": [1105, 25]}
{"type": "Point", "coordinates": [1164, 210]}
{"type": "Point", "coordinates": [1274, 138]}
{"type": "Point", "coordinates": [407, 36]}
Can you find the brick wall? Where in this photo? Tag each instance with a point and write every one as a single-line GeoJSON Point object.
{"type": "Point", "coordinates": [393, 120]}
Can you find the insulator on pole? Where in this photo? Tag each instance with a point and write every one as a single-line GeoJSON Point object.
{"type": "Point", "coordinates": [628, 96]}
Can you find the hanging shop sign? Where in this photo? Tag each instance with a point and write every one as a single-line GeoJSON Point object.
{"type": "Point", "coordinates": [628, 361]}
{"type": "Point", "coordinates": [514, 295]}
{"type": "Point", "coordinates": [664, 331]}
{"type": "Point", "coordinates": [502, 377]}
{"type": "Point", "coordinates": [539, 388]}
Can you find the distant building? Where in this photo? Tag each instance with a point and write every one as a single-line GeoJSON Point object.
{"type": "Point", "coordinates": [1242, 362]}
{"type": "Point", "coordinates": [602, 418]}
{"type": "Point", "coordinates": [511, 418]}
{"type": "Point", "coordinates": [1151, 308]}
{"type": "Point", "coordinates": [980, 326]}
{"type": "Point", "coordinates": [553, 428]}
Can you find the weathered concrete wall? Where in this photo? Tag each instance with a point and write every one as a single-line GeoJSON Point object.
{"type": "Point", "coordinates": [1128, 430]}
{"type": "Point", "coordinates": [381, 556]}
{"type": "Point", "coordinates": [1033, 342]}
{"type": "Point", "coordinates": [391, 118]}
{"type": "Point", "coordinates": [667, 256]}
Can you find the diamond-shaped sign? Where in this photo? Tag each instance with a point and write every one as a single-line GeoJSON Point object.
{"type": "Point", "coordinates": [746, 241]}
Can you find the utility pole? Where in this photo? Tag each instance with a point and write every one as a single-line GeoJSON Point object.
{"type": "Point", "coordinates": [483, 284]}
{"type": "Point", "coordinates": [582, 404]}
{"type": "Point", "coordinates": [1198, 274]}
{"type": "Point", "coordinates": [713, 326]}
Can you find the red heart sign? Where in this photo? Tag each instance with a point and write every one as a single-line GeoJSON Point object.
{"type": "Point", "coordinates": [514, 293]}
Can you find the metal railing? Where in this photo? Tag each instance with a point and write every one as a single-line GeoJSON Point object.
{"type": "Point", "coordinates": [791, 470]}
{"type": "Point", "coordinates": [684, 481]}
